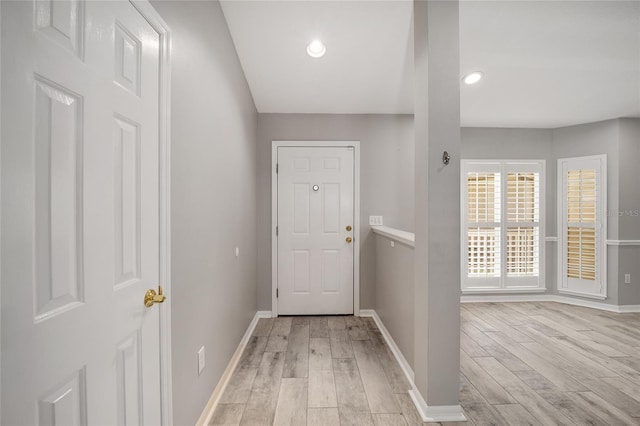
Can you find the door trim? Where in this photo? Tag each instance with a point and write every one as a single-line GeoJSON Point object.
{"type": "Point", "coordinates": [356, 213]}
{"type": "Point", "coordinates": [154, 19]}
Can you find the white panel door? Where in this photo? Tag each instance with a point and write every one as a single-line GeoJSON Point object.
{"type": "Point", "coordinates": [315, 230]}
{"type": "Point", "coordinates": [80, 217]}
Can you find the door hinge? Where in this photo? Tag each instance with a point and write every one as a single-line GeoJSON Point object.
{"type": "Point", "coordinates": [277, 293]}
{"type": "Point", "coordinates": [276, 168]}
{"type": "Point", "coordinates": [276, 231]}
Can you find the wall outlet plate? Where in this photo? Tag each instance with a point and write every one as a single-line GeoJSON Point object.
{"type": "Point", "coordinates": [375, 220]}
{"type": "Point", "coordinates": [627, 278]}
{"type": "Point", "coordinates": [200, 360]}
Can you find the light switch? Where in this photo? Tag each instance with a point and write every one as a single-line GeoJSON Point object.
{"type": "Point", "coordinates": [375, 220]}
{"type": "Point", "coordinates": [237, 251]}
{"type": "Point", "coordinates": [627, 278]}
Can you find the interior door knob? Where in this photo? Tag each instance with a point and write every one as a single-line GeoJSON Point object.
{"type": "Point", "coordinates": [349, 239]}
{"type": "Point", "coordinates": [349, 228]}
{"type": "Point", "coordinates": [151, 297]}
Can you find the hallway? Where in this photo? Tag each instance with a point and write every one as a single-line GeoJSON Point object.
{"type": "Point", "coordinates": [317, 371]}
{"type": "Point", "coordinates": [521, 363]}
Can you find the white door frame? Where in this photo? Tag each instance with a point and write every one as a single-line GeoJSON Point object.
{"type": "Point", "coordinates": [356, 214]}
{"type": "Point", "coordinates": [164, 123]}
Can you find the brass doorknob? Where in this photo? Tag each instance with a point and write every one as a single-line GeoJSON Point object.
{"type": "Point", "coordinates": [349, 239]}
{"type": "Point", "coordinates": [349, 228]}
{"type": "Point", "coordinates": [151, 297]}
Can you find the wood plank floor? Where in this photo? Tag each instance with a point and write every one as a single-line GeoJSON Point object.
{"type": "Point", "coordinates": [521, 364]}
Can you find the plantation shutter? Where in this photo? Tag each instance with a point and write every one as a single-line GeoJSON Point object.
{"type": "Point", "coordinates": [484, 229]}
{"type": "Point", "coordinates": [501, 220]}
{"type": "Point", "coordinates": [581, 223]}
{"type": "Point", "coordinates": [523, 226]}
{"type": "Point", "coordinates": [582, 218]}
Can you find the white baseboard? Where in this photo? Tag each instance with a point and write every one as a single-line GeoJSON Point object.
{"type": "Point", "coordinates": [620, 309]}
{"type": "Point", "coordinates": [210, 408]}
{"type": "Point", "coordinates": [404, 364]}
{"type": "Point", "coordinates": [434, 414]}
{"type": "Point", "coordinates": [449, 413]}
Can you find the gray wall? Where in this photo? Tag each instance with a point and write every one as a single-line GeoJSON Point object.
{"type": "Point", "coordinates": [620, 140]}
{"type": "Point", "coordinates": [386, 176]}
{"type": "Point", "coordinates": [395, 293]}
{"type": "Point", "coordinates": [520, 144]}
{"type": "Point", "coordinates": [213, 188]}
{"type": "Point", "coordinates": [628, 214]}
{"type": "Point", "coordinates": [596, 139]}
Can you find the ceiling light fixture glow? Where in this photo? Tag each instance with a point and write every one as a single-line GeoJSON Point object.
{"type": "Point", "coordinates": [472, 78]}
{"type": "Point", "coordinates": [316, 49]}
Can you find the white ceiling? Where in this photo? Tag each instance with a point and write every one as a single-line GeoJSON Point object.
{"type": "Point", "coordinates": [546, 63]}
{"type": "Point", "coordinates": [550, 63]}
{"type": "Point", "coordinates": [368, 67]}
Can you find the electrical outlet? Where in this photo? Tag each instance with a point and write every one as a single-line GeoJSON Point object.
{"type": "Point", "coordinates": [375, 220]}
{"type": "Point", "coordinates": [627, 278]}
{"type": "Point", "coordinates": [393, 243]}
{"type": "Point", "coordinates": [200, 360]}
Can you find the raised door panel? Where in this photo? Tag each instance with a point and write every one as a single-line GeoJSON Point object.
{"type": "Point", "coordinates": [66, 405]}
{"type": "Point", "coordinates": [58, 196]}
{"type": "Point", "coordinates": [63, 22]}
{"type": "Point", "coordinates": [127, 200]}
{"type": "Point", "coordinates": [127, 59]}
{"type": "Point", "coordinates": [331, 208]}
{"type": "Point", "coordinates": [129, 381]}
{"type": "Point", "coordinates": [301, 208]}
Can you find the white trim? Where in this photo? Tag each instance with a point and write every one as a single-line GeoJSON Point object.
{"type": "Point", "coordinates": [210, 408]}
{"type": "Point", "coordinates": [490, 298]}
{"type": "Point", "coordinates": [503, 290]}
{"type": "Point", "coordinates": [623, 242]}
{"type": "Point", "coordinates": [403, 237]}
{"type": "Point", "coordinates": [154, 19]}
{"type": "Point", "coordinates": [443, 413]}
{"type": "Point", "coordinates": [582, 294]}
{"type": "Point", "coordinates": [620, 309]}
{"type": "Point", "coordinates": [439, 413]}
{"type": "Point", "coordinates": [356, 214]}
{"type": "Point", "coordinates": [0, 197]}
{"type": "Point", "coordinates": [551, 239]}
{"type": "Point", "coordinates": [404, 364]}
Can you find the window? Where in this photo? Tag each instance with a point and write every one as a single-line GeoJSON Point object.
{"type": "Point", "coordinates": [581, 208]}
{"type": "Point", "coordinates": [502, 225]}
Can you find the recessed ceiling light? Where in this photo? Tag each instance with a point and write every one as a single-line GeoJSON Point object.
{"type": "Point", "coordinates": [472, 78]}
{"type": "Point", "coordinates": [316, 49]}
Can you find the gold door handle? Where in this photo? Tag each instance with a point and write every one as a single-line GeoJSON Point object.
{"type": "Point", "coordinates": [151, 297]}
{"type": "Point", "coordinates": [349, 228]}
{"type": "Point", "coordinates": [349, 239]}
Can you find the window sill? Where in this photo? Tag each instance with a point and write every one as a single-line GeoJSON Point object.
{"type": "Point", "coordinates": [579, 294]}
{"type": "Point", "coordinates": [504, 290]}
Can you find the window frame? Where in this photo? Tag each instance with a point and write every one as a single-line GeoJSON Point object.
{"type": "Point", "coordinates": [503, 283]}
{"type": "Point", "coordinates": [599, 286]}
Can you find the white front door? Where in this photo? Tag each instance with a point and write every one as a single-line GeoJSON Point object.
{"type": "Point", "coordinates": [80, 213]}
{"type": "Point", "coordinates": [315, 230]}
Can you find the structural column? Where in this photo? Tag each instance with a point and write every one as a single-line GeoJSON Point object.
{"type": "Point", "coordinates": [437, 210]}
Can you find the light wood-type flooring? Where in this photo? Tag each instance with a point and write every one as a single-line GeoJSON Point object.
{"type": "Point", "coordinates": [521, 364]}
